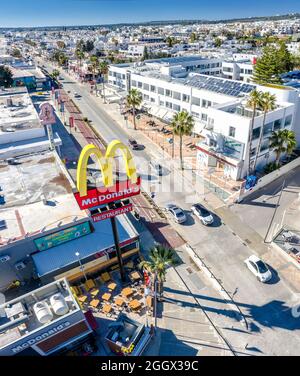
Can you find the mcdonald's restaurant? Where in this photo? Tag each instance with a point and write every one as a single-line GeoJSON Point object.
{"type": "Point", "coordinates": [44, 234]}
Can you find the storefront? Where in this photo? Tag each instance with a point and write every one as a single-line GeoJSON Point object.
{"type": "Point", "coordinates": [91, 245]}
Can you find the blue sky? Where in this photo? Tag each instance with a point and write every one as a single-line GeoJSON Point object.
{"type": "Point", "coordinates": [70, 12]}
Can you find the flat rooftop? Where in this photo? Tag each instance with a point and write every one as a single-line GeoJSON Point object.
{"type": "Point", "coordinates": [35, 184]}
{"type": "Point", "coordinates": [19, 318]}
{"type": "Point", "coordinates": [17, 111]}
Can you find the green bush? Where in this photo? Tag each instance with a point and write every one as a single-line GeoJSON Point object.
{"type": "Point", "coordinates": [272, 166]}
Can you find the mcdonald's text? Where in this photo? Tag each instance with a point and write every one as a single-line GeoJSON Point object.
{"type": "Point", "coordinates": [100, 196]}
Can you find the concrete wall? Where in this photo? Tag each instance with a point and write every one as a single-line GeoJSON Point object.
{"type": "Point", "coordinates": [269, 178]}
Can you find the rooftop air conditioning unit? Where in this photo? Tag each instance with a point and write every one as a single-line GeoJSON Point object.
{"type": "Point", "coordinates": [4, 258]}
{"type": "Point", "coordinates": [20, 265]}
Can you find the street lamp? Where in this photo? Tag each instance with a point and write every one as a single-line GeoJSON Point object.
{"type": "Point", "coordinates": [81, 266]}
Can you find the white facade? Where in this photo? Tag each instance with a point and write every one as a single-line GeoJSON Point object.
{"type": "Point", "coordinates": [219, 109]}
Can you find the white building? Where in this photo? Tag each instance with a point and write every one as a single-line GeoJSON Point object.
{"type": "Point", "coordinates": [238, 70]}
{"type": "Point", "coordinates": [218, 106]}
{"type": "Point", "coordinates": [46, 321]}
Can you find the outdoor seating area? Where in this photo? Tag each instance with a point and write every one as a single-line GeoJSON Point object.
{"type": "Point", "coordinates": [107, 295]}
{"type": "Point", "coordinates": [161, 133]}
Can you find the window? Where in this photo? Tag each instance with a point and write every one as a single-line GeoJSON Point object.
{"type": "Point", "coordinates": [146, 87]}
{"type": "Point", "coordinates": [146, 97]}
{"type": "Point", "coordinates": [196, 101]}
{"type": "Point", "coordinates": [161, 91]}
{"type": "Point", "coordinates": [231, 132]}
{"type": "Point", "coordinates": [195, 114]}
{"type": "Point", "coordinates": [133, 83]}
{"type": "Point", "coordinates": [140, 84]}
{"type": "Point", "coordinates": [152, 88]}
{"type": "Point", "coordinates": [204, 117]}
{"type": "Point", "coordinates": [206, 103]}
{"type": "Point", "coordinates": [268, 129]}
{"type": "Point", "coordinates": [161, 103]}
{"type": "Point", "coordinates": [256, 133]}
{"type": "Point", "coordinates": [212, 143]}
{"type": "Point", "coordinates": [176, 95]}
{"type": "Point", "coordinates": [288, 121]}
{"type": "Point", "coordinates": [227, 69]}
{"type": "Point", "coordinates": [185, 98]}
{"type": "Point", "coordinates": [169, 104]}
{"type": "Point", "coordinates": [152, 100]}
{"type": "Point", "coordinates": [176, 107]}
{"type": "Point", "coordinates": [253, 152]}
{"type": "Point", "coordinates": [277, 124]}
{"type": "Point", "coordinates": [264, 145]}
{"type": "Point", "coordinates": [168, 93]}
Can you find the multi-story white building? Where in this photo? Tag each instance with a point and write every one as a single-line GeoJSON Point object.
{"type": "Point", "coordinates": [238, 70]}
{"type": "Point", "coordinates": [218, 106]}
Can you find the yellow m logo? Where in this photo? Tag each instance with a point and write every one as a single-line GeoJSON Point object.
{"type": "Point", "coordinates": [105, 164]}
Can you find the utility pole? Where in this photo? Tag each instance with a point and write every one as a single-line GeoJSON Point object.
{"type": "Point", "coordinates": [274, 214]}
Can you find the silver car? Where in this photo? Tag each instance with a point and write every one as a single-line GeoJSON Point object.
{"type": "Point", "coordinates": [177, 213]}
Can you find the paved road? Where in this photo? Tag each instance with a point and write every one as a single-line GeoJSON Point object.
{"type": "Point", "coordinates": [273, 330]}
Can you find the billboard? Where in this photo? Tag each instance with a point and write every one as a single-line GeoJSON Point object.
{"type": "Point", "coordinates": [110, 192]}
{"type": "Point", "coordinates": [100, 196]}
{"type": "Point", "coordinates": [62, 236]}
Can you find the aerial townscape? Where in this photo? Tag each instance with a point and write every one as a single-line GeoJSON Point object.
{"type": "Point", "coordinates": [150, 183]}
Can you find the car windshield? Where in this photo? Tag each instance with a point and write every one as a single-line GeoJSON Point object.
{"type": "Point", "coordinates": [203, 211]}
{"type": "Point", "coordinates": [262, 268]}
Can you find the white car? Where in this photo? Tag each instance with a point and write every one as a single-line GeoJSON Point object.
{"type": "Point", "coordinates": [258, 268]}
{"type": "Point", "coordinates": [203, 214]}
{"type": "Point", "coordinates": [176, 212]}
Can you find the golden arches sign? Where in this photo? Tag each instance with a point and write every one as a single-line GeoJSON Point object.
{"type": "Point", "coordinates": [105, 163]}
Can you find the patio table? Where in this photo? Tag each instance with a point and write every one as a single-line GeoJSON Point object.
{"type": "Point", "coordinates": [94, 292]}
{"type": "Point", "coordinates": [107, 308]}
{"type": "Point", "coordinates": [94, 303]}
{"type": "Point", "coordinates": [105, 277]}
{"type": "Point", "coordinates": [135, 275]}
{"type": "Point", "coordinates": [135, 304]}
{"type": "Point", "coordinates": [119, 302]}
{"type": "Point", "coordinates": [82, 298]}
{"type": "Point", "coordinates": [106, 296]}
{"type": "Point", "coordinates": [127, 292]}
{"type": "Point", "coordinates": [112, 285]}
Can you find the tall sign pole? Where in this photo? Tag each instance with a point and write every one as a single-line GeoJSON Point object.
{"type": "Point", "coordinates": [118, 249]}
{"type": "Point", "coordinates": [47, 118]}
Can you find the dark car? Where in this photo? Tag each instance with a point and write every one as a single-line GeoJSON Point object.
{"type": "Point", "coordinates": [134, 145]}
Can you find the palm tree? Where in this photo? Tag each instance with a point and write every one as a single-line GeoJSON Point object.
{"type": "Point", "coordinates": [290, 141]}
{"type": "Point", "coordinates": [267, 103]}
{"type": "Point", "coordinates": [94, 62]}
{"type": "Point", "coordinates": [80, 56]}
{"type": "Point", "coordinates": [134, 100]}
{"type": "Point", "coordinates": [282, 141]}
{"type": "Point", "coordinates": [103, 69]}
{"type": "Point", "coordinates": [160, 258]}
{"type": "Point", "coordinates": [182, 124]}
{"type": "Point", "coordinates": [253, 102]}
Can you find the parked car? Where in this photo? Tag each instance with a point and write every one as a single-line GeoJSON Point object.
{"type": "Point", "coordinates": [203, 214]}
{"type": "Point", "coordinates": [258, 268]}
{"type": "Point", "coordinates": [76, 95]}
{"type": "Point", "coordinates": [157, 168]}
{"type": "Point", "coordinates": [176, 212]}
{"type": "Point", "coordinates": [133, 144]}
